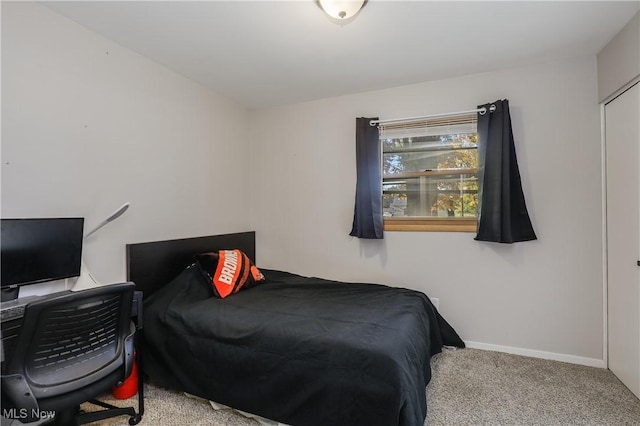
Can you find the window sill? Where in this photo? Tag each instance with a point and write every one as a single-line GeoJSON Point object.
{"type": "Point", "coordinates": [430, 224]}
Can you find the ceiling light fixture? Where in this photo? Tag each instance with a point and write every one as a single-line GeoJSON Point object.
{"type": "Point", "coordinates": [341, 11]}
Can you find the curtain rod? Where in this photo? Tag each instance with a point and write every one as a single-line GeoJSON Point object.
{"type": "Point", "coordinates": [482, 110]}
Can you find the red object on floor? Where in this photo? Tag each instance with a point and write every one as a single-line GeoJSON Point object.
{"type": "Point", "coordinates": [130, 385]}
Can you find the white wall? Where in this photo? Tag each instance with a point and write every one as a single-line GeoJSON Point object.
{"type": "Point", "coordinates": [544, 295]}
{"type": "Point", "coordinates": [619, 61]}
{"type": "Point", "coordinates": [88, 125]}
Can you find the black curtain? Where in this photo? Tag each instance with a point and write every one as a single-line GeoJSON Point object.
{"type": "Point", "coordinates": [367, 215]}
{"type": "Point", "coordinates": [503, 216]}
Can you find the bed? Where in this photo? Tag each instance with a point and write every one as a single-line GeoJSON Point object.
{"type": "Point", "coordinates": [297, 350]}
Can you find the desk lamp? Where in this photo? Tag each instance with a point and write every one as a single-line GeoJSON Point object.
{"type": "Point", "coordinates": [86, 279]}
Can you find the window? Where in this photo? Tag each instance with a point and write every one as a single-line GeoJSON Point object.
{"type": "Point", "coordinates": [430, 175]}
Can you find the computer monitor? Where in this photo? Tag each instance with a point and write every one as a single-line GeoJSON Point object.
{"type": "Point", "coordinates": [39, 250]}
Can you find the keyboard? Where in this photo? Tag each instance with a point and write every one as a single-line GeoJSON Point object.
{"type": "Point", "coordinates": [11, 312]}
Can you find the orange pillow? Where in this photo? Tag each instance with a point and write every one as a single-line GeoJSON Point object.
{"type": "Point", "coordinates": [229, 271]}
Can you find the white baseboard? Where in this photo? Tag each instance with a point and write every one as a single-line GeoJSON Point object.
{"type": "Point", "coordinates": [572, 359]}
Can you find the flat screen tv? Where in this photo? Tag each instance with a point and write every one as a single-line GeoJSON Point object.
{"type": "Point", "coordinates": [38, 250]}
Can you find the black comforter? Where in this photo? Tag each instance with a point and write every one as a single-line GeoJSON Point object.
{"type": "Point", "coordinates": [302, 351]}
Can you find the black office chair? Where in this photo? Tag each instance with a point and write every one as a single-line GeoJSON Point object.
{"type": "Point", "coordinates": [71, 349]}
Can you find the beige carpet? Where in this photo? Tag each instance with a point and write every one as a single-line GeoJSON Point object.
{"type": "Point", "coordinates": [474, 387]}
{"type": "Point", "coordinates": [469, 387]}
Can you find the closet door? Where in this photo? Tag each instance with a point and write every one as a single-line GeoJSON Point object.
{"type": "Point", "coordinates": [622, 145]}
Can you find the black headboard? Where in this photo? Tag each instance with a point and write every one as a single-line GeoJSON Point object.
{"type": "Point", "coordinates": [152, 265]}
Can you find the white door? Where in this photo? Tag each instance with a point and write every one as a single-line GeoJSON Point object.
{"type": "Point", "coordinates": [622, 142]}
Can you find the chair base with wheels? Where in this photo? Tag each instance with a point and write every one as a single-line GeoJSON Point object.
{"type": "Point", "coordinates": [75, 416]}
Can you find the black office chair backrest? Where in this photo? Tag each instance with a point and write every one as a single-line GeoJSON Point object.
{"type": "Point", "coordinates": [71, 346]}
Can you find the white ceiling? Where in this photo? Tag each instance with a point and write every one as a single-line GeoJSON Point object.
{"type": "Point", "coordinates": [268, 53]}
